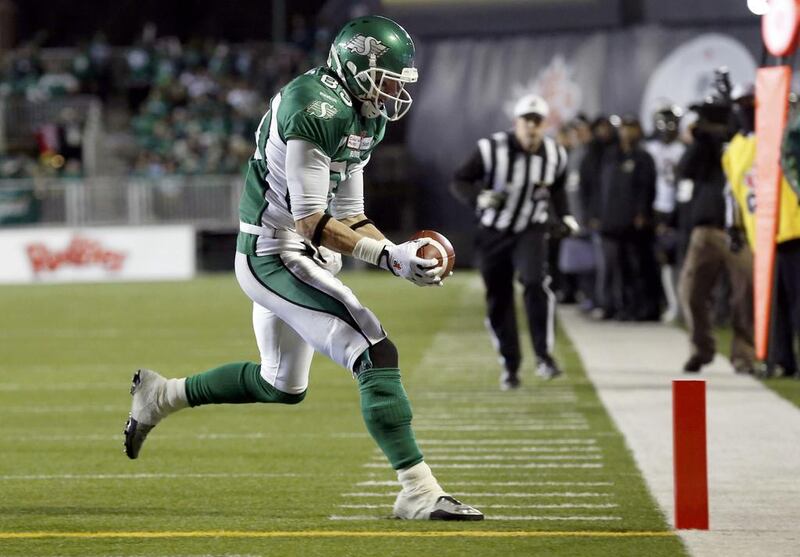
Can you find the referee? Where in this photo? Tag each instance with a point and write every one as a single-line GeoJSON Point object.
{"type": "Point", "coordinates": [513, 180]}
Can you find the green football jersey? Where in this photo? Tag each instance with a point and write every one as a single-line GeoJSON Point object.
{"type": "Point", "coordinates": [314, 107]}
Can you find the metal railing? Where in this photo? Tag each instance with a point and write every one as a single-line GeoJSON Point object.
{"type": "Point", "coordinates": [208, 201]}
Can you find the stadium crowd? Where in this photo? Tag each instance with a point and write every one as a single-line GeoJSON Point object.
{"type": "Point", "coordinates": [190, 106]}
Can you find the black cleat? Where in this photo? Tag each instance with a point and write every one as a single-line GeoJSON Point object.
{"type": "Point", "coordinates": [145, 388]}
{"type": "Point", "coordinates": [135, 434]}
{"type": "Point", "coordinates": [449, 508]}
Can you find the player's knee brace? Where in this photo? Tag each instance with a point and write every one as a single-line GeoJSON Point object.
{"type": "Point", "coordinates": [387, 414]}
{"type": "Point", "coordinates": [384, 354]}
{"type": "Point", "coordinates": [287, 398]}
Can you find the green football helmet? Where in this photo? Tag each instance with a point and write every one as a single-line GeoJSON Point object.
{"type": "Point", "coordinates": [374, 58]}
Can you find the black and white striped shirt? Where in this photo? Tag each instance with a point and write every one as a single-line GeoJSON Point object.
{"type": "Point", "coordinates": [530, 182]}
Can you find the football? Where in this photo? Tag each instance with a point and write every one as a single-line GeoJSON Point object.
{"type": "Point", "coordinates": [440, 249]}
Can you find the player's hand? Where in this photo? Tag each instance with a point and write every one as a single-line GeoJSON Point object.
{"type": "Point", "coordinates": [402, 260]}
{"type": "Point", "coordinates": [490, 199]}
{"type": "Point", "coordinates": [329, 260]}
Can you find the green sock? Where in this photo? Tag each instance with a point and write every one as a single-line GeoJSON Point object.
{"type": "Point", "coordinates": [387, 413]}
{"type": "Point", "coordinates": [235, 383]}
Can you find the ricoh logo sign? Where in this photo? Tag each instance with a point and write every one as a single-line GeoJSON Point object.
{"type": "Point", "coordinates": [97, 254]}
{"type": "Point", "coordinates": [80, 252]}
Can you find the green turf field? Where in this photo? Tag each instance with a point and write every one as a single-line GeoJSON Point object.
{"type": "Point", "coordinates": [545, 463]}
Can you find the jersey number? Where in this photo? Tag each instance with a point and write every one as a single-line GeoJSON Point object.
{"type": "Point", "coordinates": [333, 84]}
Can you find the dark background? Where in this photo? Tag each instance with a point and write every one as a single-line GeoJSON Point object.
{"type": "Point", "coordinates": [66, 22]}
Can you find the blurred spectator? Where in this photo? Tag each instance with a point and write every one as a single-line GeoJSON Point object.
{"type": "Point", "coordinates": [701, 184]}
{"type": "Point", "coordinates": [100, 65]}
{"type": "Point", "coordinates": [622, 201]}
{"type": "Point", "coordinates": [603, 138]}
{"type": "Point", "coordinates": [666, 149]}
{"type": "Point", "coordinates": [70, 137]}
{"type": "Point", "coordinates": [139, 61]}
{"type": "Point", "coordinates": [576, 253]}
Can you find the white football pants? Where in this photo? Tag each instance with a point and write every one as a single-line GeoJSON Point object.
{"type": "Point", "coordinates": [299, 307]}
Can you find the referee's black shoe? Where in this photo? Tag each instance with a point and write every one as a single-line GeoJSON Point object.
{"type": "Point", "coordinates": [509, 381]}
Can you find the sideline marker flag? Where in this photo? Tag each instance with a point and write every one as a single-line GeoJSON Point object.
{"type": "Point", "coordinates": [690, 454]}
{"type": "Point", "coordinates": [772, 104]}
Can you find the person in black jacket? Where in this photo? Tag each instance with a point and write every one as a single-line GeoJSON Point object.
{"type": "Point", "coordinates": [604, 137]}
{"type": "Point", "coordinates": [701, 187]}
{"type": "Point", "coordinates": [624, 215]}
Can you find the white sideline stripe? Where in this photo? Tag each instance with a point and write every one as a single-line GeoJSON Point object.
{"type": "Point", "coordinates": [501, 428]}
{"type": "Point", "coordinates": [531, 442]}
{"type": "Point", "coordinates": [145, 476]}
{"type": "Point", "coordinates": [390, 483]}
{"type": "Point", "coordinates": [533, 506]}
{"type": "Point", "coordinates": [566, 494]}
{"type": "Point", "coordinates": [498, 466]}
{"type": "Point", "coordinates": [498, 517]}
{"type": "Point", "coordinates": [453, 458]}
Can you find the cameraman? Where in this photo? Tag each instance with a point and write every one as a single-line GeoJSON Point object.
{"type": "Point", "coordinates": [701, 188]}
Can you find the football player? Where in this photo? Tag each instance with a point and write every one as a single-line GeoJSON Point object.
{"type": "Point", "coordinates": [301, 208]}
{"type": "Point", "coordinates": [666, 149]}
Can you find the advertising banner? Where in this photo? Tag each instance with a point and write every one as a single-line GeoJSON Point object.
{"type": "Point", "coordinates": [45, 255]}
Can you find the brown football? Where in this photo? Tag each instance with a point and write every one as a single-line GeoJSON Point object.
{"type": "Point", "coordinates": [441, 249]}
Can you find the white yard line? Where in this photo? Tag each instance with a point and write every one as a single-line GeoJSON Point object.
{"type": "Point", "coordinates": [499, 506]}
{"type": "Point", "coordinates": [529, 441]}
{"type": "Point", "coordinates": [515, 494]}
{"type": "Point", "coordinates": [143, 476]}
{"type": "Point", "coordinates": [392, 483]}
{"type": "Point", "coordinates": [514, 450]}
{"type": "Point", "coordinates": [495, 466]}
{"type": "Point", "coordinates": [510, 458]}
{"type": "Point", "coordinates": [60, 409]}
{"type": "Point", "coordinates": [546, 518]}
{"type": "Point", "coordinates": [99, 386]}
{"type": "Point", "coordinates": [502, 428]}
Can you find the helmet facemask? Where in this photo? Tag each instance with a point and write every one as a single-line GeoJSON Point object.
{"type": "Point", "coordinates": [386, 91]}
{"type": "Point", "coordinates": [382, 89]}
